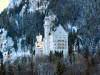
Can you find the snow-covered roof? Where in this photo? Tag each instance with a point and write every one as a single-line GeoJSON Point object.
{"type": "Point", "coordinates": [60, 27]}
{"type": "Point", "coordinates": [3, 32]}
{"type": "Point", "coordinates": [57, 29]}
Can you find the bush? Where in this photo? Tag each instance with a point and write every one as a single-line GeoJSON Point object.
{"type": "Point", "coordinates": [31, 65]}
{"type": "Point", "coordinates": [19, 68]}
{"type": "Point", "coordinates": [87, 71]}
{"type": "Point", "coordinates": [59, 54]}
{"type": "Point", "coordinates": [60, 68]}
{"type": "Point", "coordinates": [50, 56]}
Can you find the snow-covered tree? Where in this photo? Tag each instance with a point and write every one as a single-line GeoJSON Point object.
{"type": "Point", "coordinates": [3, 39]}
{"type": "Point", "coordinates": [6, 42]}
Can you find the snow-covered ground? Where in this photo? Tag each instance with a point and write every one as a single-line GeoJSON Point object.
{"type": "Point", "coordinates": [6, 44]}
{"type": "Point", "coordinates": [14, 3]}
{"type": "Point", "coordinates": [34, 5]}
{"type": "Point", "coordinates": [72, 28]}
{"type": "Point", "coordinates": [14, 55]}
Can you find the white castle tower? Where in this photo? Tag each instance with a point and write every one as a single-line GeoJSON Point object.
{"type": "Point", "coordinates": [47, 26]}
{"type": "Point", "coordinates": [48, 23]}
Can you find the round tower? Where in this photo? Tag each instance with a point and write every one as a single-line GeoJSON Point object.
{"type": "Point", "coordinates": [47, 26]}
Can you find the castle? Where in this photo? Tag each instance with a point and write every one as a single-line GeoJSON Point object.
{"type": "Point", "coordinates": [54, 40]}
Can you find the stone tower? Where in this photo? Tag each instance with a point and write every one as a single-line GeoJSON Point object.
{"type": "Point", "coordinates": [47, 26]}
{"type": "Point", "coordinates": [48, 23]}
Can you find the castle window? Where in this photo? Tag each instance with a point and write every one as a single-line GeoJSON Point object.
{"type": "Point", "coordinates": [61, 44]}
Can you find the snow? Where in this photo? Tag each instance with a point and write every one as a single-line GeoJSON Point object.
{"type": "Point", "coordinates": [74, 28]}
{"type": "Point", "coordinates": [22, 10]}
{"type": "Point", "coordinates": [14, 55]}
{"type": "Point", "coordinates": [14, 3]}
{"type": "Point", "coordinates": [31, 9]}
{"type": "Point", "coordinates": [4, 32]}
{"type": "Point", "coordinates": [10, 42]}
{"type": "Point", "coordinates": [7, 45]}
{"type": "Point", "coordinates": [81, 46]}
{"type": "Point", "coordinates": [16, 23]}
{"type": "Point", "coordinates": [3, 39]}
{"type": "Point", "coordinates": [33, 5]}
{"type": "Point", "coordinates": [44, 6]}
{"type": "Point", "coordinates": [79, 37]}
{"type": "Point", "coordinates": [47, 23]}
{"type": "Point", "coordinates": [99, 41]}
{"type": "Point", "coordinates": [69, 26]}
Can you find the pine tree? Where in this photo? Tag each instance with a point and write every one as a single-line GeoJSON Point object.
{"type": "Point", "coordinates": [99, 52]}
{"type": "Point", "coordinates": [19, 68]}
{"type": "Point", "coordinates": [60, 68]}
{"type": "Point", "coordinates": [31, 65]}
{"type": "Point", "coordinates": [86, 54]}
{"type": "Point", "coordinates": [87, 71]}
{"type": "Point", "coordinates": [1, 57]}
{"type": "Point", "coordinates": [23, 44]}
{"type": "Point", "coordinates": [50, 56]}
{"type": "Point", "coordinates": [79, 51]}
{"type": "Point", "coordinates": [92, 61]}
{"type": "Point", "coordinates": [3, 70]}
{"type": "Point", "coordinates": [70, 54]}
{"type": "Point", "coordinates": [15, 45]}
{"type": "Point", "coordinates": [11, 70]}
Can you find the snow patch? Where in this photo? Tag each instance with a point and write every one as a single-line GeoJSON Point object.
{"type": "Point", "coordinates": [14, 55]}
{"type": "Point", "coordinates": [69, 26]}
{"type": "Point", "coordinates": [16, 23]}
{"type": "Point", "coordinates": [14, 3]}
{"type": "Point", "coordinates": [72, 28]}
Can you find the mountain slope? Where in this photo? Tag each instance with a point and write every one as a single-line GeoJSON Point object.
{"type": "Point", "coordinates": [25, 17]}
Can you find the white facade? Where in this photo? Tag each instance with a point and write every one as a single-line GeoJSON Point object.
{"type": "Point", "coordinates": [53, 40]}
{"type": "Point", "coordinates": [59, 41]}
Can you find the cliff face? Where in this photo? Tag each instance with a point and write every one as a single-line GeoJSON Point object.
{"type": "Point", "coordinates": [25, 17]}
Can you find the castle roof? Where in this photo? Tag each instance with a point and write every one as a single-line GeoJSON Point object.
{"type": "Point", "coordinates": [58, 28]}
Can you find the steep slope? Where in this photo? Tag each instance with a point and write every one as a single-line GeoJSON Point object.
{"type": "Point", "coordinates": [25, 17]}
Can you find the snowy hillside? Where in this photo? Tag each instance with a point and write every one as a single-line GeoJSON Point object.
{"type": "Point", "coordinates": [26, 18]}
{"type": "Point", "coordinates": [30, 6]}
{"type": "Point", "coordinates": [7, 46]}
